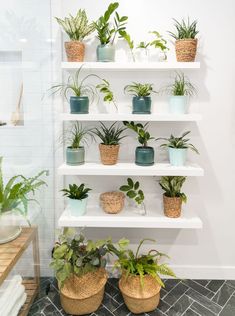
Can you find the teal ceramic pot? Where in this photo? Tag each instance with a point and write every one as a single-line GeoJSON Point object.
{"type": "Point", "coordinates": [177, 156]}
{"type": "Point", "coordinates": [105, 53]}
{"type": "Point", "coordinates": [141, 105]}
{"type": "Point", "coordinates": [75, 156]}
{"type": "Point", "coordinates": [144, 156]}
{"type": "Point", "coordinates": [77, 207]}
{"type": "Point", "coordinates": [178, 104]}
{"type": "Point", "coordinates": [79, 105]}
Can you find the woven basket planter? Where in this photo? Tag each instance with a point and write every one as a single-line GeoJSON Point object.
{"type": "Point", "coordinates": [83, 295]}
{"type": "Point", "coordinates": [140, 299]}
{"type": "Point", "coordinates": [75, 51]}
{"type": "Point", "coordinates": [172, 206]}
{"type": "Point", "coordinates": [112, 202]}
{"type": "Point", "coordinates": [186, 50]}
{"type": "Point", "coordinates": [109, 154]}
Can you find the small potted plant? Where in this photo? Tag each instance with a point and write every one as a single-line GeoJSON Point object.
{"type": "Point", "coordinates": [109, 100]}
{"type": "Point", "coordinates": [135, 194]}
{"type": "Point", "coordinates": [144, 154]}
{"type": "Point", "coordinates": [79, 266]}
{"type": "Point", "coordinates": [110, 142]}
{"type": "Point", "coordinates": [77, 28]}
{"type": "Point", "coordinates": [77, 196]}
{"type": "Point", "coordinates": [107, 33]}
{"type": "Point", "coordinates": [186, 41]}
{"type": "Point", "coordinates": [141, 282]}
{"type": "Point", "coordinates": [141, 101]}
{"type": "Point", "coordinates": [173, 197]}
{"type": "Point", "coordinates": [177, 148]}
{"type": "Point", "coordinates": [180, 90]}
{"type": "Point", "coordinates": [74, 137]}
{"type": "Point", "coordinates": [14, 199]}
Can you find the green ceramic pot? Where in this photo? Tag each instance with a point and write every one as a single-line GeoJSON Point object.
{"type": "Point", "coordinates": [105, 53]}
{"type": "Point", "coordinates": [144, 156]}
{"type": "Point", "coordinates": [75, 156]}
{"type": "Point", "coordinates": [141, 105]}
{"type": "Point", "coordinates": [77, 207]}
{"type": "Point", "coordinates": [79, 105]}
{"type": "Point", "coordinates": [177, 156]}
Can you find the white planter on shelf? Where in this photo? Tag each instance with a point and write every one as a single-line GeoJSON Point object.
{"type": "Point", "coordinates": [178, 104]}
{"type": "Point", "coordinates": [141, 55]}
{"type": "Point", "coordinates": [109, 107]}
{"type": "Point", "coordinates": [77, 207]}
{"type": "Point", "coordinates": [9, 230]}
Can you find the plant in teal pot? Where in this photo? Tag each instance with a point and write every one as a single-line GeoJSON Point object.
{"type": "Point", "coordinates": [141, 101]}
{"type": "Point", "coordinates": [77, 199]}
{"type": "Point", "coordinates": [144, 154]}
{"type": "Point", "coordinates": [177, 148]}
{"type": "Point", "coordinates": [107, 32]}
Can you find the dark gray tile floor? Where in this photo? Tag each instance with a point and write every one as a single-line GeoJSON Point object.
{"type": "Point", "coordinates": [180, 297]}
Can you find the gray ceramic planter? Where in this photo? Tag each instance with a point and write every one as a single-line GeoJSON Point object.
{"type": "Point", "coordinates": [141, 105]}
{"type": "Point", "coordinates": [79, 105]}
{"type": "Point", "coordinates": [75, 156]}
{"type": "Point", "coordinates": [144, 156]}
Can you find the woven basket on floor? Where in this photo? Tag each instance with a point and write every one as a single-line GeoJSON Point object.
{"type": "Point", "coordinates": [186, 50]}
{"type": "Point", "coordinates": [109, 154]}
{"type": "Point", "coordinates": [112, 202]}
{"type": "Point", "coordinates": [140, 299]}
{"type": "Point", "coordinates": [83, 295]}
{"type": "Point", "coordinates": [75, 51]}
{"type": "Point", "coordinates": [172, 206]}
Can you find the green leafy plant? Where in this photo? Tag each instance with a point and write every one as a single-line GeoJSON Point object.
{"type": "Point", "coordinates": [106, 31]}
{"type": "Point", "coordinates": [14, 195]}
{"type": "Point", "coordinates": [133, 191]}
{"type": "Point", "coordinates": [139, 89]}
{"type": "Point", "coordinates": [77, 27]}
{"type": "Point", "coordinates": [158, 42]}
{"type": "Point", "coordinates": [178, 142]}
{"type": "Point", "coordinates": [181, 86]}
{"type": "Point", "coordinates": [75, 192]}
{"type": "Point", "coordinates": [130, 42]}
{"type": "Point", "coordinates": [110, 135]}
{"type": "Point", "coordinates": [131, 263]}
{"type": "Point", "coordinates": [185, 29]}
{"type": "Point", "coordinates": [76, 134]}
{"type": "Point", "coordinates": [104, 88]}
{"type": "Point", "coordinates": [141, 131]}
{"type": "Point", "coordinates": [74, 254]}
{"type": "Point", "coordinates": [172, 186]}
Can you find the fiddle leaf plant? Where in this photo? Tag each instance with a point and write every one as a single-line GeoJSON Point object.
{"type": "Point", "coordinates": [141, 130]}
{"type": "Point", "coordinates": [133, 191]}
{"type": "Point", "coordinates": [172, 186]}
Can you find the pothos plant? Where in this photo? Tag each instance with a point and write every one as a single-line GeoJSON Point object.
{"type": "Point", "coordinates": [141, 130]}
{"type": "Point", "coordinates": [158, 42]}
{"type": "Point", "coordinates": [104, 88]}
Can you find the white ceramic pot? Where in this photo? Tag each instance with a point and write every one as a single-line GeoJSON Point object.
{"type": "Point", "coordinates": [142, 55]}
{"type": "Point", "coordinates": [110, 108]}
{"type": "Point", "coordinates": [77, 207]}
{"type": "Point", "coordinates": [9, 230]}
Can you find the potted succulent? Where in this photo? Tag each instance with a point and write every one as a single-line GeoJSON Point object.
{"type": "Point", "coordinates": [141, 101]}
{"type": "Point", "coordinates": [141, 282]}
{"type": "Point", "coordinates": [77, 196]}
{"type": "Point", "coordinates": [14, 199]}
{"type": "Point", "coordinates": [180, 90]}
{"type": "Point", "coordinates": [177, 148]}
{"type": "Point", "coordinates": [77, 28]}
{"type": "Point", "coordinates": [79, 266]}
{"type": "Point", "coordinates": [135, 194]}
{"type": "Point", "coordinates": [173, 197]}
{"type": "Point", "coordinates": [186, 41]}
{"type": "Point", "coordinates": [110, 142]}
{"type": "Point", "coordinates": [74, 137]}
{"type": "Point", "coordinates": [107, 32]}
{"type": "Point", "coordinates": [144, 154]}
{"type": "Point", "coordinates": [109, 100]}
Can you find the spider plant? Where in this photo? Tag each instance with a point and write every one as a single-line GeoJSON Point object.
{"type": "Point", "coordinates": [139, 90]}
{"type": "Point", "coordinates": [141, 131]}
{"type": "Point", "coordinates": [172, 186]}
{"type": "Point", "coordinates": [181, 86]}
{"type": "Point", "coordinates": [76, 135]}
{"type": "Point", "coordinates": [110, 135]}
{"type": "Point", "coordinates": [185, 29]}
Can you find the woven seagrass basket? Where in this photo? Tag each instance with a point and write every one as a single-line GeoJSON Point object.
{"type": "Point", "coordinates": [112, 202]}
{"type": "Point", "coordinates": [172, 206]}
{"type": "Point", "coordinates": [109, 154]}
{"type": "Point", "coordinates": [75, 51]}
{"type": "Point", "coordinates": [140, 299]}
{"type": "Point", "coordinates": [186, 50]}
{"type": "Point", "coordinates": [83, 295]}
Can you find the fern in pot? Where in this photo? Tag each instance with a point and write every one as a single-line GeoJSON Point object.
{"type": "Point", "coordinates": [75, 136]}
{"type": "Point", "coordinates": [141, 282]}
{"type": "Point", "coordinates": [144, 154]}
{"type": "Point", "coordinates": [110, 142]}
{"type": "Point", "coordinates": [173, 197]}
{"type": "Point", "coordinates": [177, 148]}
{"type": "Point", "coordinates": [14, 199]}
{"type": "Point", "coordinates": [141, 101]}
{"type": "Point", "coordinates": [77, 198]}
{"type": "Point", "coordinates": [185, 40]}
{"type": "Point", "coordinates": [107, 32]}
{"type": "Point", "coordinates": [77, 28]}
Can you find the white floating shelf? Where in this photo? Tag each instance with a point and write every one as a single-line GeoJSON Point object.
{"type": "Point", "coordinates": [131, 169]}
{"type": "Point", "coordinates": [122, 66]}
{"type": "Point", "coordinates": [95, 217]}
{"type": "Point", "coordinates": [154, 117]}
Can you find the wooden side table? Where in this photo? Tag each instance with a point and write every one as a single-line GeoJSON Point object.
{"type": "Point", "coordinates": [10, 254]}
